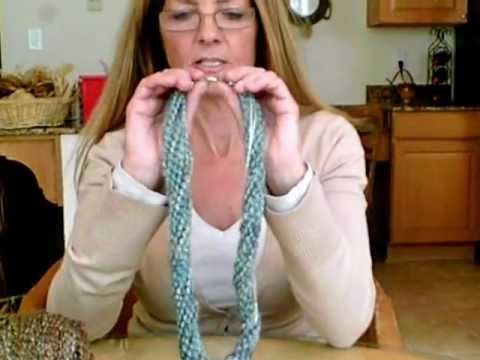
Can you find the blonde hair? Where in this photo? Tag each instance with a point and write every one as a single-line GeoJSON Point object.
{"type": "Point", "coordinates": [140, 53]}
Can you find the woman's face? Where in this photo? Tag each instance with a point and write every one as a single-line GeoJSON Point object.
{"type": "Point", "coordinates": [217, 43]}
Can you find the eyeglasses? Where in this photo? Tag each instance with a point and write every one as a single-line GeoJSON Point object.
{"type": "Point", "coordinates": [187, 20]}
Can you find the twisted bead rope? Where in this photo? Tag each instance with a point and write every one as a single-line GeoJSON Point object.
{"type": "Point", "coordinates": [178, 170]}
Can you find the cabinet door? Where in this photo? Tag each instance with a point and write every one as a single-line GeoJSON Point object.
{"type": "Point", "coordinates": [416, 12]}
{"type": "Point", "coordinates": [435, 196]}
{"type": "Point", "coordinates": [42, 156]}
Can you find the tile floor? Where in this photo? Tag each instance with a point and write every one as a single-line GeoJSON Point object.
{"type": "Point", "coordinates": [437, 304]}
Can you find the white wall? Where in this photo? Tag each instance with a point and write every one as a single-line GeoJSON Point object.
{"type": "Point", "coordinates": [342, 56]}
{"type": "Point", "coordinates": [2, 12]}
{"type": "Point", "coordinates": [71, 33]}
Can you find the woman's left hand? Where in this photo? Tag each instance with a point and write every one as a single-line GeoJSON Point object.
{"type": "Point", "coordinates": [285, 166]}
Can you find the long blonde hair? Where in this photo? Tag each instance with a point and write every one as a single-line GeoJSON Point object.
{"type": "Point", "coordinates": [140, 52]}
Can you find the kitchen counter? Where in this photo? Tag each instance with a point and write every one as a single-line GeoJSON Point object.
{"type": "Point", "coordinates": [443, 111]}
{"type": "Point", "coordinates": [411, 146]}
{"type": "Point", "coordinates": [418, 108]}
{"type": "Point", "coordinates": [70, 127]}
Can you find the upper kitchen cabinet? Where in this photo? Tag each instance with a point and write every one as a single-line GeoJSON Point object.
{"type": "Point", "coordinates": [416, 12]}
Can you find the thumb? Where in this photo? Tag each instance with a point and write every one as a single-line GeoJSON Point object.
{"type": "Point", "coordinates": [193, 100]}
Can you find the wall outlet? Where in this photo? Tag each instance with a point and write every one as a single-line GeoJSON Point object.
{"type": "Point", "coordinates": [35, 39]}
{"type": "Point", "coordinates": [94, 5]}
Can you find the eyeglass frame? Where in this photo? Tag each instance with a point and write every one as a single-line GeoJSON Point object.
{"type": "Point", "coordinates": [201, 15]}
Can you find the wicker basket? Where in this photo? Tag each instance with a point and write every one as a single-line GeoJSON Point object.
{"type": "Point", "coordinates": [39, 112]}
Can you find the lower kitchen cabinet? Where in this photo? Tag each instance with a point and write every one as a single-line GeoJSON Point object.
{"type": "Point", "coordinates": [435, 179]}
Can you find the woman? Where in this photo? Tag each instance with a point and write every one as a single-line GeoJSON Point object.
{"type": "Point", "coordinates": [313, 268]}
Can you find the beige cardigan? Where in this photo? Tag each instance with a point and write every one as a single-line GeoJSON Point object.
{"type": "Point", "coordinates": [314, 278]}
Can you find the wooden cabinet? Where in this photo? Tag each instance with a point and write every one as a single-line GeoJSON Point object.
{"type": "Point", "coordinates": [416, 12]}
{"type": "Point", "coordinates": [42, 155]}
{"type": "Point", "coordinates": [435, 180]}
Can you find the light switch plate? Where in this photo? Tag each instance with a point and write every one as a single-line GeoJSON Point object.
{"type": "Point", "coordinates": [35, 39]}
{"type": "Point", "coordinates": [94, 5]}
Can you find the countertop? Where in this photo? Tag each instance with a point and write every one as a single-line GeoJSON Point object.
{"type": "Point", "coordinates": [362, 124]}
{"type": "Point", "coordinates": [70, 127]}
{"type": "Point", "coordinates": [431, 108]}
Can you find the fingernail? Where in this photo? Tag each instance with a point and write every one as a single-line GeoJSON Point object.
{"type": "Point", "coordinates": [239, 86]}
{"type": "Point", "coordinates": [188, 86]}
{"type": "Point", "coordinates": [212, 79]}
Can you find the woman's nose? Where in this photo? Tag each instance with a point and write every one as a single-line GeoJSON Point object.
{"type": "Point", "coordinates": [208, 30]}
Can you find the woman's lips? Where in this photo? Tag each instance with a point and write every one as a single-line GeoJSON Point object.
{"type": "Point", "coordinates": [210, 66]}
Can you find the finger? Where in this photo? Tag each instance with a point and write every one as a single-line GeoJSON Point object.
{"type": "Point", "coordinates": [162, 82]}
{"type": "Point", "coordinates": [193, 100]}
{"type": "Point", "coordinates": [238, 73]}
{"type": "Point", "coordinates": [145, 102]}
{"type": "Point", "coordinates": [267, 82]}
{"type": "Point", "coordinates": [233, 102]}
{"type": "Point", "coordinates": [148, 107]}
{"type": "Point", "coordinates": [196, 74]}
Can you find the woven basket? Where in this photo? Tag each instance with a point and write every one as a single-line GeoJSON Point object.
{"type": "Point", "coordinates": [40, 112]}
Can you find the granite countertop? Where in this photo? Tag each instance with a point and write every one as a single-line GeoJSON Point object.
{"type": "Point", "coordinates": [425, 94]}
{"type": "Point", "coordinates": [361, 124]}
{"type": "Point", "coordinates": [70, 127]}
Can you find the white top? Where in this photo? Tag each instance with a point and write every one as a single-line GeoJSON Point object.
{"type": "Point", "coordinates": [213, 251]}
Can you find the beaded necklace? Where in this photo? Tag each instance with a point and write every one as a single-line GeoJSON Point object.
{"type": "Point", "coordinates": [178, 170]}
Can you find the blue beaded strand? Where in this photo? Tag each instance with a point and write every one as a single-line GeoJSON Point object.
{"type": "Point", "coordinates": [178, 171]}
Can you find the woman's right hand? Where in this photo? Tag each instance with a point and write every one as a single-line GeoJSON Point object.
{"type": "Point", "coordinates": [144, 136]}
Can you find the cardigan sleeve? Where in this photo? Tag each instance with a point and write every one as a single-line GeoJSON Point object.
{"type": "Point", "coordinates": [125, 184]}
{"type": "Point", "coordinates": [324, 241]}
{"type": "Point", "coordinates": [108, 240]}
{"type": "Point", "coordinates": [291, 199]}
